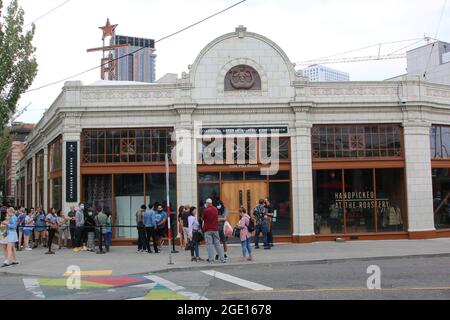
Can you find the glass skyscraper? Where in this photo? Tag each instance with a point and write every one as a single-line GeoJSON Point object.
{"type": "Point", "coordinates": [139, 66]}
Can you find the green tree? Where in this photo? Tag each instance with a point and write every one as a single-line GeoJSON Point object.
{"type": "Point", "coordinates": [18, 65]}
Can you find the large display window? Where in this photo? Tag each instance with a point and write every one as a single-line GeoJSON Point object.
{"type": "Point", "coordinates": [331, 142]}
{"type": "Point", "coordinates": [440, 142]}
{"type": "Point", "coordinates": [103, 146]}
{"type": "Point", "coordinates": [441, 198]}
{"type": "Point", "coordinates": [123, 194]}
{"type": "Point", "coordinates": [359, 201]}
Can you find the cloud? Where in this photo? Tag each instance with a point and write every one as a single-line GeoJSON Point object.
{"type": "Point", "coordinates": [304, 29]}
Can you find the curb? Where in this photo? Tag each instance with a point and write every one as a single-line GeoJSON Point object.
{"type": "Point", "coordinates": [292, 263]}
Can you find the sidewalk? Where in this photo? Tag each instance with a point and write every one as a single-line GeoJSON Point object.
{"type": "Point", "coordinates": [125, 261]}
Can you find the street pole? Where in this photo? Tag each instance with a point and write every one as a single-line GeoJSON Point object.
{"type": "Point", "coordinates": [168, 209]}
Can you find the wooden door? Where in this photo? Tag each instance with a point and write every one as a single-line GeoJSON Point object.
{"type": "Point", "coordinates": [254, 191]}
{"type": "Point", "coordinates": [232, 195]}
{"type": "Point", "coordinates": [242, 194]}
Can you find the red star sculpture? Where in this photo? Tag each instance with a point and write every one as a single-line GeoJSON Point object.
{"type": "Point", "coordinates": [108, 29]}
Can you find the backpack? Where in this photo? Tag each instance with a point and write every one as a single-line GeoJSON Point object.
{"type": "Point", "coordinates": [251, 225]}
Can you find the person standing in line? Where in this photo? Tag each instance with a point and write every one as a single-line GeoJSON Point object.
{"type": "Point", "coordinates": [108, 238]}
{"type": "Point", "coordinates": [159, 221]}
{"type": "Point", "coordinates": [180, 234]}
{"type": "Point", "coordinates": [269, 217]}
{"type": "Point", "coordinates": [79, 231]}
{"type": "Point", "coordinates": [211, 231]}
{"type": "Point", "coordinates": [28, 230]}
{"type": "Point", "coordinates": [142, 242]}
{"type": "Point", "coordinates": [3, 210]}
{"type": "Point", "coordinates": [149, 217]}
{"type": "Point", "coordinates": [101, 220]}
{"type": "Point", "coordinates": [89, 224]}
{"type": "Point", "coordinates": [11, 238]}
{"type": "Point", "coordinates": [185, 223]}
{"type": "Point", "coordinates": [72, 225]}
{"type": "Point", "coordinates": [63, 231]}
{"type": "Point", "coordinates": [20, 225]}
{"type": "Point", "coordinates": [52, 221]}
{"type": "Point", "coordinates": [3, 237]}
{"type": "Point", "coordinates": [223, 217]}
{"type": "Point", "coordinates": [195, 234]}
{"type": "Point", "coordinates": [261, 224]}
{"type": "Point", "coordinates": [245, 235]}
{"type": "Point", "coordinates": [40, 228]}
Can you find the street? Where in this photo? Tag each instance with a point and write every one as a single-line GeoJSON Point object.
{"type": "Point", "coordinates": [401, 278]}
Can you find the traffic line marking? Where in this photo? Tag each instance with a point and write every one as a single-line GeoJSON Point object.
{"type": "Point", "coordinates": [174, 287]}
{"type": "Point", "coordinates": [333, 290]}
{"type": "Point", "coordinates": [238, 281]}
{"type": "Point", "coordinates": [91, 273]}
{"type": "Point", "coordinates": [34, 287]}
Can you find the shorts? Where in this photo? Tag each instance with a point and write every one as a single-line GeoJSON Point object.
{"type": "Point", "coordinates": [185, 234]}
{"type": "Point", "coordinates": [222, 236]}
{"type": "Point", "coordinates": [27, 232]}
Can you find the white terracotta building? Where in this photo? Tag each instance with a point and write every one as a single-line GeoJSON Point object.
{"type": "Point", "coordinates": [362, 160]}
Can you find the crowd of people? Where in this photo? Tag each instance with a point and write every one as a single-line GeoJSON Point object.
{"type": "Point", "coordinates": [89, 230]}
{"type": "Point", "coordinates": [210, 224]}
{"type": "Point", "coordinates": [27, 229]}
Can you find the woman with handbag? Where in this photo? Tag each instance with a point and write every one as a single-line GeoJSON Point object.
{"type": "Point", "coordinates": [3, 238]}
{"type": "Point", "coordinates": [52, 223]}
{"type": "Point", "coordinates": [11, 238]}
{"type": "Point", "coordinates": [195, 234]}
{"type": "Point", "coordinates": [244, 234]}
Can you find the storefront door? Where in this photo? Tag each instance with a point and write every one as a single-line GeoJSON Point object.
{"type": "Point", "coordinates": [242, 194]}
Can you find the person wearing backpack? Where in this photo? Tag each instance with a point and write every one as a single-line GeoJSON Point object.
{"type": "Point", "coordinates": [245, 234]}
{"type": "Point", "coordinates": [261, 224]}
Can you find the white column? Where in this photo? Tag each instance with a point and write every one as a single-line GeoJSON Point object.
{"type": "Point", "coordinates": [418, 175]}
{"type": "Point", "coordinates": [70, 137]}
{"type": "Point", "coordinates": [186, 155]}
{"type": "Point", "coordinates": [302, 183]}
{"type": "Point", "coordinates": [186, 166]}
{"type": "Point", "coordinates": [46, 204]}
{"type": "Point", "coordinates": [33, 186]}
{"type": "Point", "coordinates": [25, 196]}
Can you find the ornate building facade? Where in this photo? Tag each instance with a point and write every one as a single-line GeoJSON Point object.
{"type": "Point", "coordinates": [360, 160]}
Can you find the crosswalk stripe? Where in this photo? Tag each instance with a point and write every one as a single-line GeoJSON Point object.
{"type": "Point", "coordinates": [237, 281]}
{"type": "Point", "coordinates": [34, 287]}
{"type": "Point", "coordinates": [174, 287]}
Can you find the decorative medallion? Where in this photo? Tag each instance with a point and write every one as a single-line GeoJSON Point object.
{"type": "Point", "coordinates": [242, 77]}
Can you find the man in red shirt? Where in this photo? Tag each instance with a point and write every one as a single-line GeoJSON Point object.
{"type": "Point", "coordinates": [211, 230]}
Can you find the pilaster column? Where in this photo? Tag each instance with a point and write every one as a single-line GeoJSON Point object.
{"type": "Point", "coordinates": [46, 203]}
{"type": "Point", "coordinates": [25, 196]}
{"type": "Point", "coordinates": [418, 176]}
{"type": "Point", "coordinates": [33, 186]}
{"type": "Point", "coordinates": [302, 183]}
{"type": "Point", "coordinates": [186, 156]}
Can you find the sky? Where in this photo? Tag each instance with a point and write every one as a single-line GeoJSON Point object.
{"type": "Point", "coordinates": [304, 29]}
